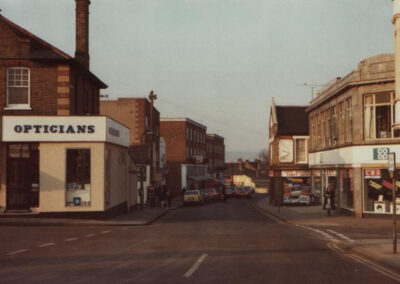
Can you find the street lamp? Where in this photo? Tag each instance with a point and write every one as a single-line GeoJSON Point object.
{"type": "Point", "coordinates": [141, 189]}
{"type": "Point", "coordinates": [152, 98]}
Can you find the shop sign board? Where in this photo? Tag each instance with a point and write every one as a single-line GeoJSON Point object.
{"type": "Point", "coordinates": [331, 173]}
{"type": "Point", "coordinates": [296, 173]}
{"type": "Point", "coordinates": [372, 173]}
{"type": "Point", "coordinates": [64, 129]}
{"type": "Point", "coordinates": [381, 153]}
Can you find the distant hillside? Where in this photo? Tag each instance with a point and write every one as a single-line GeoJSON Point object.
{"type": "Point", "coordinates": [233, 156]}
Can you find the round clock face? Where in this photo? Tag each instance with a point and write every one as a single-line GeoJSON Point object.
{"type": "Point", "coordinates": [285, 150]}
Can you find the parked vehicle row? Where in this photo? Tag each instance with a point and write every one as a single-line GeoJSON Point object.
{"type": "Point", "coordinates": [201, 196]}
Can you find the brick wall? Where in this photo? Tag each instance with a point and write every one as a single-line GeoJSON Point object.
{"type": "Point", "coordinates": [43, 87]}
{"type": "Point", "coordinates": [132, 112]}
{"type": "Point", "coordinates": [174, 133]}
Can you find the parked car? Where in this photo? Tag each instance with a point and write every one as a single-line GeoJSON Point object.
{"type": "Point", "coordinates": [193, 197]}
{"type": "Point", "coordinates": [213, 195]}
{"type": "Point", "coordinates": [243, 192]}
{"type": "Point", "coordinates": [230, 191]}
{"type": "Point", "coordinates": [250, 188]}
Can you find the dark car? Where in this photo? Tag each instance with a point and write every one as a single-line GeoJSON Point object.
{"type": "Point", "coordinates": [243, 192]}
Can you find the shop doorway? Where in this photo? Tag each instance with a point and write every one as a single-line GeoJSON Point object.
{"type": "Point", "coordinates": [22, 176]}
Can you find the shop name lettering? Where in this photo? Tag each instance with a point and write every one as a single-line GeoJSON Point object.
{"type": "Point", "coordinates": [54, 128]}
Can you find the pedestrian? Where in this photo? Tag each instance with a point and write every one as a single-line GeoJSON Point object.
{"type": "Point", "coordinates": [152, 197]}
{"type": "Point", "coordinates": [329, 198]}
{"type": "Point", "coordinates": [169, 196]}
{"type": "Point", "coordinates": [332, 193]}
{"type": "Point", "coordinates": [163, 198]}
{"type": "Point", "coordinates": [328, 204]}
{"type": "Point", "coordinates": [183, 191]}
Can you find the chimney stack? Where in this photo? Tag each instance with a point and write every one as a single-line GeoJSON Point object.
{"type": "Point", "coordinates": [82, 32]}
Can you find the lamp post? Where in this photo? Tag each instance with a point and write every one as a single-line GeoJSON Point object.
{"type": "Point", "coordinates": [141, 171]}
{"type": "Point", "coordinates": [152, 98]}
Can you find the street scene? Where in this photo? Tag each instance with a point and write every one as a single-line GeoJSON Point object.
{"type": "Point", "coordinates": [222, 242]}
{"type": "Point", "coordinates": [168, 141]}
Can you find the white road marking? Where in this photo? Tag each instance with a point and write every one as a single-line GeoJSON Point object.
{"type": "Point", "coordinates": [46, 245]}
{"type": "Point", "coordinates": [341, 235]}
{"type": "Point", "coordinates": [322, 233]}
{"type": "Point", "coordinates": [70, 239]}
{"type": "Point", "coordinates": [195, 265]}
{"type": "Point", "coordinates": [374, 266]}
{"type": "Point", "coordinates": [105, 232]}
{"type": "Point", "coordinates": [17, 251]}
{"type": "Point", "coordinates": [90, 235]}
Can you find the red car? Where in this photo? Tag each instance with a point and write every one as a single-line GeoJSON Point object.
{"type": "Point", "coordinates": [212, 194]}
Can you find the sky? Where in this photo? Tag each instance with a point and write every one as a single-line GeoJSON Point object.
{"type": "Point", "coordinates": [218, 62]}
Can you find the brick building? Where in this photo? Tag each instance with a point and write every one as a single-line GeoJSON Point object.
{"type": "Point", "coordinates": [53, 140]}
{"type": "Point", "coordinates": [144, 137]}
{"type": "Point", "coordinates": [351, 135]}
{"type": "Point", "coordinates": [290, 177]}
{"type": "Point", "coordinates": [215, 156]}
{"type": "Point", "coordinates": [185, 142]}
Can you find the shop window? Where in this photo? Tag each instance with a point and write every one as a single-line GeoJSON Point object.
{"type": "Point", "coordinates": [347, 195]}
{"type": "Point", "coordinates": [18, 84]}
{"type": "Point", "coordinates": [301, 151]}
{"type": "Point", "coordinates": [317, 185]}
{"type": "Point", "coordinates": [348, 121]}
{"type": "Point", "coordinates": [78, 177]}
{"type": "Point", "coordinates": [378, 190]}
{"type": "Point", "coordinates": [378, 115]}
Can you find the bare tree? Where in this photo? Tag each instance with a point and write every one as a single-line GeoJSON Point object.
{"type": "Point", "coordinates": [264, 154]}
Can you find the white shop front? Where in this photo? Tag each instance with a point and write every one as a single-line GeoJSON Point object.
{"type": "Point", "coordinates": [66, 165]}
{"type": "Point", "coordinates": [363, 183]}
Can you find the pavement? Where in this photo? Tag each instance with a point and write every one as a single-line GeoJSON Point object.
{"type": "Point", "coordinates": [377, 250]}
{"type": "Point", "coordinates": [138, 217]}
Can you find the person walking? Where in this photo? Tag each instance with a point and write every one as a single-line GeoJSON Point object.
{"type": "Point", "coordinates": [163, 198]}
{"type": "Point", "coordinates": [329, 198]}
{"type": "Point", "coordinates": [169, 196]}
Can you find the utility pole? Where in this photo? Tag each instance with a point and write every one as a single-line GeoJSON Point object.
{"type": "Point", "coordinates": [152, 97]}
{"type": "Point", "coordinates": [392, 171]}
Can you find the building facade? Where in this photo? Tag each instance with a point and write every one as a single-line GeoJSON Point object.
{"type": "Point", "coordinates": [57, 155]}
{"type": "Point", "coordinates": [185, 141]}
{"type": "Point", "coordinates": [215, 156]}
{"type": "Point", "coordinates": [351, 135]}
{"type": "Point", "coordinates": [144, 122]}
{"type": "Point", "coordinates": [289, 174]}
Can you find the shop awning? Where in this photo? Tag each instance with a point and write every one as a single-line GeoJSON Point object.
{"type": "Point", "coordinates": [198, 178]}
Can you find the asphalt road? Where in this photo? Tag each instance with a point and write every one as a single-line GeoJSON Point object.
{"type": "Point", "coordinates": [229, 242]}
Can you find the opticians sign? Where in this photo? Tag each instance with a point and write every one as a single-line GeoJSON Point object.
{"type": "Point", "coordinates": [64, 129]}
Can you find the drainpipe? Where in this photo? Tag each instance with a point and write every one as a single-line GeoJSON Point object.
{"type": "Point", "coordinates": [396, 25]}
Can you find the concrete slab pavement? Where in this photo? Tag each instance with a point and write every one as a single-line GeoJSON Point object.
{"type": "Point", "coordinates": [136, 218]}
{"type": "Point", "coordinates": [377, 250]}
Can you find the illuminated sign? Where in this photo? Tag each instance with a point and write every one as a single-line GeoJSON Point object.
{"type": "Point", "coordinates": [372, 173]}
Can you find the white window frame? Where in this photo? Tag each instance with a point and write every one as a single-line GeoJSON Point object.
{"type": "Point", "coordinates": [19, 106]}
{"type": "Point", "coordinates": [295, 138]}
{"type": "Point", "coordinates": [374, 105]}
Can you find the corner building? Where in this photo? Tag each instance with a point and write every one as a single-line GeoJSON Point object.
{"type": "Point", "coordinates": [350, 123]}
{"type": "Point", "coordinates": [57, 155]}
